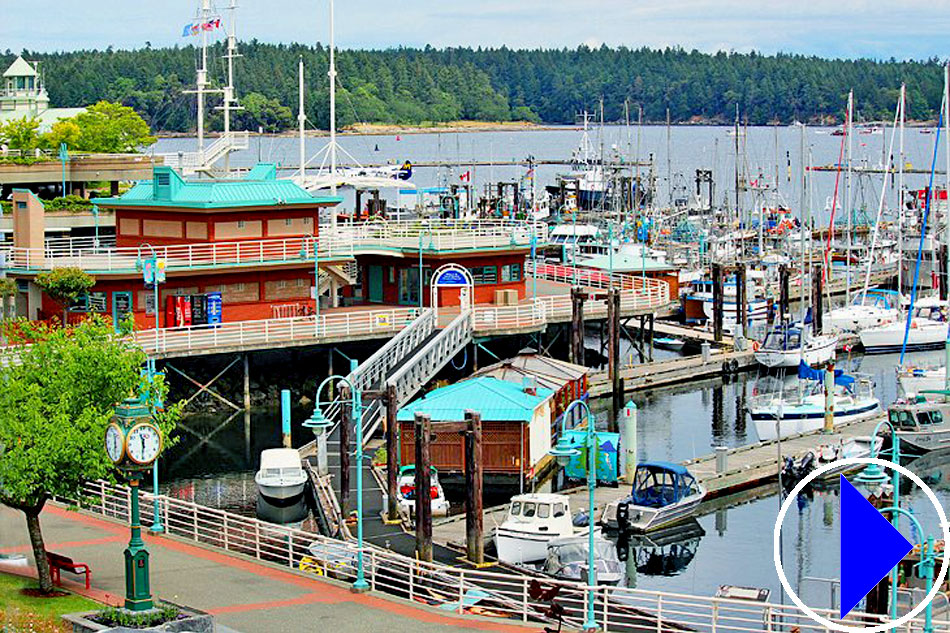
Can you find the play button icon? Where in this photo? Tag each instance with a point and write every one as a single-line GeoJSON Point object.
{"type": "Point", "coordinates": [870, 546]}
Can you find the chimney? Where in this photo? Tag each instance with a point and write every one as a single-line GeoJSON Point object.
{"type": "Point", "coordinates": [529, 385]}
{"type": "Point", "coordinates": [29, 228]}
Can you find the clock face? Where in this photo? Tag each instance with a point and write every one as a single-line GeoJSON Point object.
{"type": "Point", "coordinates": [144, 443]}
{"type": "Point", "coordinates": [115, 443]}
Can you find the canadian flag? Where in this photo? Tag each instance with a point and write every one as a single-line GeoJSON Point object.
{"type": "Point", "coordinates": [466, 177]}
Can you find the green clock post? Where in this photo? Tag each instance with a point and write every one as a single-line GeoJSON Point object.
{"type": "Point", "coordinates": [133, 443]}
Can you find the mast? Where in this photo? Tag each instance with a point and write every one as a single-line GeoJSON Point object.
{"type": "Point", "coordinates": [804, 227]}
{"type": "Point", "coordinates": [669, 161]}
{"type": "Point", "coordinates": [229, 89]}
{"type": "Point", "coordinates": [847, 195]}
{"type": "Point", "coordinates": [301, 120]}
{"type": "Point", "coordinates": [202, 82]}
{"type": "Point", "coordinates": [737, 233]}
{"type": "Point", "coordinates": [900, 197]}
{"type": "Point", "coordinates": [946, 209]}
{"type": "Point", "coordinates": [332, 75]}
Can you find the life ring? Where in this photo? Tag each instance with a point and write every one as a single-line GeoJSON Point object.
{"type": "Point", "coordinates": [755, 346]}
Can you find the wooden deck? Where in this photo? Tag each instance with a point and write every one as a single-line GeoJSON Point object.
{"type": "Point", "coordinates": [671, 372]}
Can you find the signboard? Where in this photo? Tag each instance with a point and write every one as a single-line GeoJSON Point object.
{"type": "Point", "coordinates": [153, 271]}
{"type": "Point", "coordinates": [451, 278]}
{"type": "Point", "coordinates": [383, 321]}
{"type": "Point", "coordinates": [606, 455]}
{"type": "Point", "coordinates": [213, 312]}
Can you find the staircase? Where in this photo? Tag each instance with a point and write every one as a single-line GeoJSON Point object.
{"type": "Point", "coordinates": [191, 163]}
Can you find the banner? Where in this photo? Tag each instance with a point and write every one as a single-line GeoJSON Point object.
{"type": "Point", "coordinates": [195, 28]}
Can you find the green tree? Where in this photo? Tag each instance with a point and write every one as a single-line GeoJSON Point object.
{"type": "Point", "coordinates": [65, 285]}
{"type": "Point", "coordinates": [21, 134]}
{"type": "Point", "coordinates": [111, 128]}
{"type": "Point", "coordinates": [259, 111]}
{"type": "Point", "coordinates": [64, 131]}
{"type": "Point", "coordinates": [54, 408]}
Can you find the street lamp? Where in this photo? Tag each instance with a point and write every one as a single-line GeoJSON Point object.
{"type": "Point", "coordinates": [153, 272]}
{"type": "Point", "coordinates": [563, 452]}
{"type": "Point", "coordinates": [319, 423]}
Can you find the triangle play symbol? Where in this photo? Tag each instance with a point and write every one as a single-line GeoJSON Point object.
{"type": "Point", "coordinates": [870, 546]}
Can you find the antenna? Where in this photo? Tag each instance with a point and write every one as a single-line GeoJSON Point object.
{"type": "Point", "coordinates": [301, 119]}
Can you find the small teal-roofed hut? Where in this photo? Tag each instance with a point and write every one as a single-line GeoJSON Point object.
{"type": "Point", "coordinates": [516, 425]}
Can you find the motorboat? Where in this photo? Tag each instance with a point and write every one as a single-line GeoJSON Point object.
{"type": "Point", "coordinates": [868, 309]}
{"type": "Point", "coordinates": [663, 493]}
{"type": "Point", "coordinates": [533, 521]}
{"type": "Point", "coordinates": [567, 559]}
{"type": "Point", "coordinates": [927, 381]}
{"type": "Point", "coordinates": [927, 330]}
{"type": "Point", "coordinates": [281, 478]}
{"type": "Point", "coordinates": [921, 425]}
{"type": "Point", "coordinates": [788, 345]}
{"type": "Point", "coordinates": [406, 492]}
{"type": "Point", "coordinates": [668, 342]}
{"type": "Point", "coordinates": [802, 409]}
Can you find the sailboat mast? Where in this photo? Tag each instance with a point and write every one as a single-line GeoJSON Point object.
{"type": "Point", "coordinates": [229, 89]}
{"type": "Point", "coordinates": [847, 195]}
{"type": "Point", "coordinates": [301, 121]}
{"type": "Point", "coordinates": [669, 161]}
{"type": "Point", "coordinates": [900, 197]}
{"type": "Point", "coordinates": [946, 209]}
{"type": "Point", "coordinates": [804, 226]}
{"type": "Point", "coordinates": [332, 75]}
{"type": "Point", "coordinates": [737, 168]}
{"type": "Point", "coordinates": [202, 82]}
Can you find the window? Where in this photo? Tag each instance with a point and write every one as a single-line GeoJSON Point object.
{"type": "Point", "coordinates": [544, 511]}
{"type": "Point", "coordinates": [511, 272]}
{"type": "Point", "coordinates": [163, 180]}
{"type": "Point", "coordinates": [529, 509]}
{"type": "Point", "coordinates": [240, 224]}
{"type": "Point", "coordinates": [20, 204]}
{"type": "Point", "coordinates": [515, 508]}
{"type": "Point", "coordinates": [96, 302]}
{"type": "Point", "coordinates": [559, 510]}
{"type": "Point", "coordinates": [282, 284]}
{"type": "Point", "coordinates": [482, 275]}
{"type": "Point", "coordinates": [288, 222]}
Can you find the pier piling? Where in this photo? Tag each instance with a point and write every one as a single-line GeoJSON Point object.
{"type": "Point", "coordinates": [423, 428]}
{"type": "Point", "coordinates": [475, 546]}
{"type": "Point", "coordinates": [717, 302]}
{"type": "Point", "coordinates": [816, 300]}
{"type": "Point", "coordinates": [392, 458]}
{"type": "Point", "coordinates": [783, 291]}
{"type": "Point", "coordinates": [346, 413]}
{"type": "Point", "coordinates": [629, 441]}
{"type": "Point", "coordinates": [577, 326]}
{"type": "Point", "coordinates": [829, 398]}
{"type": "Point", "coordinates": [247, 408]}
{"type": "Point", "coordinates": [285, 417]}
{"type": "Point", "coordinates": [742, 312]}
{"type": "Point", "coordinates": [613, 350]}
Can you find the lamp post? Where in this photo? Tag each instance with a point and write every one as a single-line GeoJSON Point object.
{"type": "Point", "coordinates": [424, 230]}
{"type": "Point", "coordinates": [153, 272]}
{"type": "Point", "coordinates": [95, 217]}
{"type": "Point", "coordinates": [563, 452]}
{"type": "Point", "coordinates": [318, 422]}
{"type": "Point", "coordinates": [157, 405]}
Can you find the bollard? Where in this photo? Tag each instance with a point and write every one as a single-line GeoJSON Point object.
{"type": "Point", "coordinates": [706, 352]}
{"type": "Point", "coordinates": [285, 416]}
{"type": "Point", "coordinates": [722, 459]}
{"type": "Point", "coordinates": [629, 441]}
{"type": "Point", "coordinates": [829, 399]}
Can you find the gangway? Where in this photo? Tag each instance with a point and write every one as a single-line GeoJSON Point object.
{"type": "Point", "coordinates": [203, 160]}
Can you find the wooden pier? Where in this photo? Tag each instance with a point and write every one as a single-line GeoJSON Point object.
{"type": "Point", "coordinates": [673, 371]}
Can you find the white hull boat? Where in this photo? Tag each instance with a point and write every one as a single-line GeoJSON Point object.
{"type": "Point", "coordinates": [916, 380]}
{"type": "Point", "coordinates": [663, 494]}
{"type": "Point", "coordinates": [923, 334]}
{"type": "Point", "coordinates": [790, 346]}
{"type": "Point", "coordinates": [533, 521]}
{"type": "Point", "coordinates": [281, 478]}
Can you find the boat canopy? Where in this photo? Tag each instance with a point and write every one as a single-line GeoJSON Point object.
{"type": "Point", "coordinates": [807, 372]}
{"type": "Point", "coordinates": [659, 484]}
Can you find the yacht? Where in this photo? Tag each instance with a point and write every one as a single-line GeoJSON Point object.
{"type": "Point", "coordinates": [281, 479]}
{"type": "Point", "coordinates": [568, 557]}
{"type": "Point", "coordinates": [532, 522]}
{"type": "Point", "coordinates": [926, 381]}
{"type": "Point", "coordinates": [663, 494]}
{"type": "Point", "coordinates": [788, 345]}
{"type": "Point", "coordinates": [867, 309]}
{"type": "Point", "coordinates": [928, 330]}
{"type": "Point", "coordinates": [406, 492]}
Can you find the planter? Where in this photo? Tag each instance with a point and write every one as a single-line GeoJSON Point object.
{"type": "Point", "coordinates": [190, 621]}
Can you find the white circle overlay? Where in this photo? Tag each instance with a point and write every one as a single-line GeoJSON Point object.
{"type": "Point", "coordinates": [855, 461]}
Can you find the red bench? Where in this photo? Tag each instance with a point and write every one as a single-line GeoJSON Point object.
{"type": "Point", "coordinates": [58, 562]}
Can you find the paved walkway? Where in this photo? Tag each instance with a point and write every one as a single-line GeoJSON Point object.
{"type": "Point", "coordinates": [243, 595]}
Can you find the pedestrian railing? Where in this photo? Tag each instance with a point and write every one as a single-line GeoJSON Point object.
{"type": "Point", "coordinates": [461, 590]}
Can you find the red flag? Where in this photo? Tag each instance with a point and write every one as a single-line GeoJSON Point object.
{"type": "Point", "coordinates": [466, 177]}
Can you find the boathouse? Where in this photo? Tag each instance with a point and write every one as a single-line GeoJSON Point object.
{"type": "Point", "coordinates": [516, 425]}
{"type": "Point", "coordinates": [633, 267]}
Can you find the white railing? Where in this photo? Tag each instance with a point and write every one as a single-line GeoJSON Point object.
{"type": "Point", "coordinates": [264, 332]}
{"type": "Point", "coordinates": [506, 594]}
{"type": "Point", "coordinates": [343, 242]}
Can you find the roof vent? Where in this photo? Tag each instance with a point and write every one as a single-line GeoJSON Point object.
{"type": "Point", "coordinates": [530, 385]}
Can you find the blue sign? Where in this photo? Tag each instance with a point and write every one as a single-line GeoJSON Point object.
{"type": "Point", "coordinates": [451, 277]}
{"type": "Point", "coordinates": [606, 455]}
{"type": "Point", "coordinates": [870, 546]}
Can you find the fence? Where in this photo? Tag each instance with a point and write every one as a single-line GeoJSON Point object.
{"type": "Point", "coordinates": [506, 595]}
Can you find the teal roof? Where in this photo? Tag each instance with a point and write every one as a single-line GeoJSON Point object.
{"type": "Point", "coordinates": [259, 188]}
{"type": "Point", "coordinates": [497, 401]}
{"type": "Point", "coordinates": [625, 263]}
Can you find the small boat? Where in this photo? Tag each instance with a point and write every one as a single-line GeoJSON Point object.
{"type": "Point", "coordinates": [567, 560]}
{"type": "Point", "coordinates": [802, 409]}
{"type": "Point", "coordinates": [871, 309]}
{"type": "Point", "coordinates": [533, 521]}
{"type": "Point", "coordinates": [928, 330]}
{"type": "Point", "coordinates": [281, 478]}
{"type": "Point", "coordinates": [788, 345]}
{"type": "Point", "coordinates": [927, 381]}
{"type": "Point", "coordinates": [669, 342]}
{"type": "Point", "coordinates": [663, 493]}
{"type": "Point", "coordinates": [922, 426]}
{"type": "Point", "coordinates": [406, 492]}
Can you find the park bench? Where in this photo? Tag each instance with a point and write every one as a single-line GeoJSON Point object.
{"type": "Point", "coordinates": [58, 562]}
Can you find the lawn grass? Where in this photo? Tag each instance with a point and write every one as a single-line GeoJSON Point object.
{"type": "Point", "coordinates": [11, 599]}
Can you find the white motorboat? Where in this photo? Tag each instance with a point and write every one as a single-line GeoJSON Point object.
{"type": "Point", "coordinates": [669, 342]}
{"type": "Point", "coordinates": [928, 330]}
{"type": "Point", "coordinates": [922, 380]}
{"type": "Point", "coordinates": [533, 521]}
{"type": "Point", "coordinates": [802, 410]}
{"type": "Point", "coordinates": [406, 492]}
{"type": "Point", "coordinates": [871, 309]}
{"type": "Point", "coordinates": [663, 493]}
{"type": "Point", "coordinates": [789, 345]}
{"type": "Point", "coordinates": [922, 426]}
{"type": "Point", "coordinates": [567, 559]}
{"type": "Point", "coordinates": [281, 478]}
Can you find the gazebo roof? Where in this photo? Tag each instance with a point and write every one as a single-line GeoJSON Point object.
{"type": "Point", "coordinates": [20, 68]}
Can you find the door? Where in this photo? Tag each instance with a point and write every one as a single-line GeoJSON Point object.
{"type": "Point", "coordinates": [376, 284]}
{"type": "Point", "coordinates": [121, 307]}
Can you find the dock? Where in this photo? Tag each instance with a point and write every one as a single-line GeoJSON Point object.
{"type": "Point", "coordinates": [747, 467]}
{"type": "Point", "coordinates": [673, 371]}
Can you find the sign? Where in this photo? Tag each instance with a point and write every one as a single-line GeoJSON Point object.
{"type": "Point", "coordinates": [382, 321]}
{"type": "Point", "coordinates": [153, 271]}
{"type": "Point", "coordinates": [451, 278]}
{"type": "Point", "coordinates": [213, 311]}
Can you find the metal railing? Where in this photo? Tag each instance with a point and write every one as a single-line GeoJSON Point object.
{"type": "Point", "coordinates": [505, 595]}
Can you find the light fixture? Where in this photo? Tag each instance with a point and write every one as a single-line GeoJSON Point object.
{"type": "Point", "coordinates": [563, 452]}
{"type": "Point", "coordinates": [318, 423]}
{"type": "Point", "coordinates": [872, 478]}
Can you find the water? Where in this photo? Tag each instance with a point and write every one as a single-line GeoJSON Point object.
{"type": "Point", "coordinates": [764, 152]}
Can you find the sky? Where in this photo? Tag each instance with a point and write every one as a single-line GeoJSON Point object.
{"type": "Point", "coordinates": [904, 29]}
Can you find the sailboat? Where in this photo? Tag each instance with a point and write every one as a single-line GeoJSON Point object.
{"type": "Point", "coordinates": [869, 308]}
{"type": "Point", "coordinates": [927, 330]}
{"type": "Point", "coordinates": [789, 344]}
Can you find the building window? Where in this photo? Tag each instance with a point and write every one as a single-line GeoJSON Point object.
{"type": "Point", "coordinates": [301, 283]}
{"type": "Point", "coordinates": [307, 221]}
{"type": "Point", "coordinates": [20, 204]}
{"type": "Point", "coordinates": [163, 180]}
{"type": "Point", "coordinates": [511, 272]}
{"type": "Point", "coordinates": [288, 222]}
{"type": "Point", "coordinates": [482, 275]}
{"type": "Point", "coordinates": [240, 224]}
{"type": "Point", "coordinates": [281, 284]}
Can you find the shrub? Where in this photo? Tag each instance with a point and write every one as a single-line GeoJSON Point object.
{"type": "Point", "coordinates": [113, 616]}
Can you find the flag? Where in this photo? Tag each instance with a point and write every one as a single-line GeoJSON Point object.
{"type": "Point", "coordinates": [398, 138]}
{"type": "Point", "coordinates": [530, 173]}
{"type": "Point", "coordinates": [194, 28]}
{"type": "Point", "coordinates": [466, 177]}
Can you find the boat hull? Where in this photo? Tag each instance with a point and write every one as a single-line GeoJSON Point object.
{"type": "Point", "coordinates": [891, 338]}
{"type": "Point", "coordinates": [525, 546]}
{"type": "Point", "coordinates": [798, 422]}
{"type": "Point", "coordinates": [646, 519]}
{"type": "Point", "coordinates": [284, 493]}
{"type": "Point", "coordinates": [817, 354]}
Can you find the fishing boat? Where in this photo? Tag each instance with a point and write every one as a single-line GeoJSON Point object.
{"type": "Point", "coordinates": [788, 345]}
{"type": "Point", "coordinates": [281, 478]}
{"type": "Point", "coordinates": [802, 409]}
{"type": "Point", "coordinates": [567, 559]}
{"type": "Point", "coordinates": [921, 425]}
{"type": "Point", "coordinates": [533, 521]}
{"type": "Point", "coordinates": [663, 493]}
{"type": "Point", "coordinates": [406, 492]}
{"type": "Point", "coordinates": [927, 381]}
{"type": "Point", "coordinates": [868, 309]}
{"type": "Point", "coordinates": [927, 330]}
{"type": "Point", "coordinates": [669, 342]}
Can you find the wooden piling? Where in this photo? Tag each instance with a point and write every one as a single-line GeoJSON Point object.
{"type": "Point", "coordinates": [943, 268]}
{"type": "Point", "coordinates": [816, 300]}
{"type": "Point", "coordinates": [423, 429]}
{"type": "Point", "coordinates": [783, 291]}
{"type": "Point", "coordinates": [392, 451]}
{"type": "Point", "coordinates": [247, 405]}
{"type": "Point", "coordinates": [613, 351]}
{"type": "Point", "coordinates": [346, 413]}
{"type": "Point", "coordinates": [717, 302]}
{"type": "Point", "coordinates": [577, 326]}
{"type": "Point", "coordinates": [474, 512]}
{"type": "Point", "coordinates": [742, 311]}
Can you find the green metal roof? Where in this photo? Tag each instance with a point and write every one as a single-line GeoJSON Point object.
{"type": "Point", "coordinates": [259, 188]}
{"type": "Point", "coordinates": [625, 263]}
{"type": "Point", "coordinates": [497, 400]}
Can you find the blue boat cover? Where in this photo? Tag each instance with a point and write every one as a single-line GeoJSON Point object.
{"type": "Point", "coordinates": [659, 484]}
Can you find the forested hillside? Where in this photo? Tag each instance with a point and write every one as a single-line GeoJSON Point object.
{"type": "Point", "coordinates": [412, 86]}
